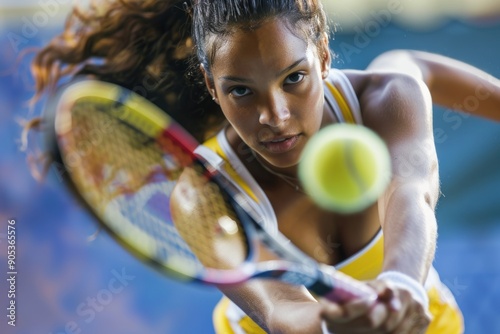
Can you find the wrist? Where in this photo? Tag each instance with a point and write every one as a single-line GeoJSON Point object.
{"type": "Point", "coordinates": [406, 282]}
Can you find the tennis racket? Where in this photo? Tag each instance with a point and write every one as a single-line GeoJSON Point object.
{"type": "Point", "coordinates": [135, 169]}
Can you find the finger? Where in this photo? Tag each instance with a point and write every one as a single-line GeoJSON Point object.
{"type": "Point", "coordinates": [378, 315]}
{"type": "Point", "coordinates": [347, 319]}
{"type": "Point", "coordinates": [358, 308]}
{"type": "Point", "coordinates": [415, 321]}
{"type": "Point", "coordinates": [331, 311]}
{"type": "Point", "coordinates": [386, 293]}
{"type": "Point", "coordinates": [381, 287]}
{"type": "Point", "coordinates": [398, 309]}
{"type": "Point", "coordinates": [345, 312]}
{"type": "Point", "coordinates": [386, 316]}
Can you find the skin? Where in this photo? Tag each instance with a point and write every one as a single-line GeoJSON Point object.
{"type": "Point", "coordinates": [268, 83]}
{"type": "Point", "coordinates": [269, 96]}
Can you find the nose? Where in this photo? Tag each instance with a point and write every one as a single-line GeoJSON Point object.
{"type": "Point", "coordinates": [274, 110]}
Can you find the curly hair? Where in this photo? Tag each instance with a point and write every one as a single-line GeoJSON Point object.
{"type": "Point", "coordinates": [155, 48]}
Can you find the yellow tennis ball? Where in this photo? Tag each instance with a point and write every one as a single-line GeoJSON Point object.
{"type": "Point", "coordinates": [345, 168]}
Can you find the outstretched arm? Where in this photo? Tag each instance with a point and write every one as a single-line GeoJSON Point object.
{"type": "Point", "coordinates": [453, 84]}
{"type": "Point", "coordinates": [397, 105]}
{"type": "Point", "coordinates": [396, 95]}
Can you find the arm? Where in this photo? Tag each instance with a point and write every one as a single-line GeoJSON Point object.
{"type": "Point", "coordinates": [453, 84]}
{"type": "Point", "coordinates": [398, 107]}
{"type": "Point", "coordinates": [396, 96]}
{"type": "Point", "coordinates": [277, 307]}
{"type": "Point", "coordinates": [271, 304]}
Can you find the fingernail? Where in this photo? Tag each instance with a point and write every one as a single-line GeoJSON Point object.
{"type": "Point", "coordinates": [395, 304]}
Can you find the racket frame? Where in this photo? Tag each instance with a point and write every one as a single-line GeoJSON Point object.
{"type": "Point", "coordinates": [294, 267]}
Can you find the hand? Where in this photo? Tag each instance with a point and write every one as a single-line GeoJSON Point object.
{"type": "Point", "coordinates": [395, 311]}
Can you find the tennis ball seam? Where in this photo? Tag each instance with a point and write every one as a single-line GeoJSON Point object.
{"type": "Point", "coordinates": [351, 133]}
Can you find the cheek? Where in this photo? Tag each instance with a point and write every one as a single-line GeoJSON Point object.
{"type": "Point", "coordinates": [313, 104]}
{"type": "Point", "coordinates": [240, 120]}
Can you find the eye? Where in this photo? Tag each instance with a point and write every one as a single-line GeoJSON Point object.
{"type": "Point", "coordinates": [239, 91]}
{"type": "Point", "coordinates": [294, 78]}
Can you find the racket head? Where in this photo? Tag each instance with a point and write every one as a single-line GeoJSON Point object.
{"type": "Point", "coordinates": [127, 161]}
{"type": "Point", "coordinates": [123, 165]}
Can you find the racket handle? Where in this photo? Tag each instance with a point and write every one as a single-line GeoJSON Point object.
{"type": "Point", "coordinates": [344, 288]}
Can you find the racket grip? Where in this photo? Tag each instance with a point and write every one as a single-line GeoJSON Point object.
{"type": "Point", "coordinates": [344, 288]}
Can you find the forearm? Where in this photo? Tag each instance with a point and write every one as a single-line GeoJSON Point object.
{"type": "Point", "coordinates": [459, 86]}
{"type": "Point", "coordinates": [453, 84]}
{"type": "Point", "coordinates": [400, 110]}
{"type": "Point", "coordinates": [409, 231]}
{"type": "Point", "coordinates": [277, 307]}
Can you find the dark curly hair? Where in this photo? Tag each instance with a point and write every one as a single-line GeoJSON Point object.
{"type": "Point", "coordinates": [155, 47]}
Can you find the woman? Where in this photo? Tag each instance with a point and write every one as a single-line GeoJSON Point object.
{"type": "Point", "coordinates": [264, 85]}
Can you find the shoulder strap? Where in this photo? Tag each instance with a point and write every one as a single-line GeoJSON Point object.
{"type": "Point", "coordinates": [341, 97]}
{"type": "Point", "coordinates": [212, 151]}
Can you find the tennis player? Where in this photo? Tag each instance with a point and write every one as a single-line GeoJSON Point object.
{"type": "Point", "coordinates": [254, 79]}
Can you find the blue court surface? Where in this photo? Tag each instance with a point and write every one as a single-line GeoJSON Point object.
{"type": "Point", "coordinates": [67, 285]}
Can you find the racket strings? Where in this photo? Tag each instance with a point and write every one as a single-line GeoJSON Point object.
{"type": "Point", "coordinates": [208, 223]}
{"type": "Point", "coordinates": [108, 154]}
{"type": "Point", "coordinates": [123, 175]}
{"type": "Point", "coordinates": [141, 218]}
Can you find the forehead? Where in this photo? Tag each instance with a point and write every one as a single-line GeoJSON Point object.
{"type": "Point", "coordinates": [272, 45]}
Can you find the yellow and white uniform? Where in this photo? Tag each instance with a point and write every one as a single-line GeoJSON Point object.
{"type": "Point", "coordinates": [364, 265]}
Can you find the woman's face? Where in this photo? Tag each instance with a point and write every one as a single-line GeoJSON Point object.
{"type": "Point", "coordinates": [268, 83]}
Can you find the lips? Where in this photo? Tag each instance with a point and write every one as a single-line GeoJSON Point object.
{"type": "Point", "coordinates": [280, 144]}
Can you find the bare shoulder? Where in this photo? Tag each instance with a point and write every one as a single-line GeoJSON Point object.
{"type": "Point", "coordinates": [391, 98]}
{"type": "Point", "coordinates": [378, 87]}
{"type": "Point", "coordinates": [398, 107]}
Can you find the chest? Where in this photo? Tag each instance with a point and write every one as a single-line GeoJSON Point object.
{"type": "Point", "coordinates": [325, 236]}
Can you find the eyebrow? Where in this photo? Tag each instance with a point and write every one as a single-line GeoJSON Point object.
{"type": "Point", "coordinates": [243, 80]}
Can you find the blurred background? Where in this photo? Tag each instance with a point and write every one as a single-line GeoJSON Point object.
{"type": "Point", "coordinates": [65, 284]}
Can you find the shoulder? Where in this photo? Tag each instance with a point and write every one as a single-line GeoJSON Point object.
{"type": "Point", "coordinates": [391, 98]}
{"type": "Point", "coordinates": [374, 88]}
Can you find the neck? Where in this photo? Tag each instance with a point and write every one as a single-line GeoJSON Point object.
{"type": "Point", "coordinates": [290, 180]}
{"type": "Point", "coordinates": [290, 172]}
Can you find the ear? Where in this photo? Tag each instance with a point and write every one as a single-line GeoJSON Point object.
{"type": "Point", "coordinates": [325, 56]}
{"type": "Point", "coordinates": [209, 82]}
